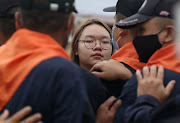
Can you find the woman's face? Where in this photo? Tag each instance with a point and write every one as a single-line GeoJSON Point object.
{"type": "Point", "coordinates": [94, 45]}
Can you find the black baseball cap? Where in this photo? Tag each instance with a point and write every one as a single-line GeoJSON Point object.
{"type": "Point", "coordinates": [64, 6]}
{"type": "Point", "coordinates": [5, 6]}
{"type": "Point", "coordinates": [125, 7]}
{"type": "Point", "coordinates": [148, 10]}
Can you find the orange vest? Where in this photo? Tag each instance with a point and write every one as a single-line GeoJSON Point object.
{"type": "Point", "coordinates": [128, 55]}
{"type": "Point", "coordinates": [22, 52]}
{"type": "Point", "coordinates": [167, 57]}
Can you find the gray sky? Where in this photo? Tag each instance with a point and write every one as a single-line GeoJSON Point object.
{"type": "Point", "coordinates": [94, 6]}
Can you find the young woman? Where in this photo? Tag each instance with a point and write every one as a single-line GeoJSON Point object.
{"type": "Point", "coordinates": [91, 43]}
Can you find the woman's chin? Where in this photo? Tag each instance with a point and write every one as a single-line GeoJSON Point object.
{"type": "Point", "coordinates": [96, 61]}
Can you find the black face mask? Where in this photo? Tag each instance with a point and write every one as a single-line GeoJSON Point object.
{"type": "Point", "coordinates": [146, 46]}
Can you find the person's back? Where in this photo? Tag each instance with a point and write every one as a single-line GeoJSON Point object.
{"type": "Point", "coordinates": [55, 89]}
{"type": "Point", "coordinates": [36, 71]}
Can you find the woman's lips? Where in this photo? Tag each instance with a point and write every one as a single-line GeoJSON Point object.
{"type": "Point", "coordinates": [97, 55]}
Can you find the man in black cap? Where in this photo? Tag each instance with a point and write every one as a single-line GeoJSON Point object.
{"type": "Point", "coordinates": [119, 73]}
{"type": "Point", "coordinates": [7, 28]}
{"type": "Point", "coordinates": [122, 38]}
{"type": "Point", "coordinates": [126, 55]}
{"type": "Point", "coordinates": [7, 22]}
{"type": "Point", "coordinates": [35, 70]}
{"type": "Point", "coordinates": [154, 44]}
{"type": "Point", "coordinates": [123, 9]}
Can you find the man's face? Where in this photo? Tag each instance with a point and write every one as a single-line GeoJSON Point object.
{"type": "Point", "coordinates": [115, 33]}
{"type": "Point", "coordinates": [115, 29]}
{"type": "Point", "coordinates": [118, 33]}
{"type": "Point", "coordinates": [147, 28]}
{"type": "Point", "coordinates": [150, 27]}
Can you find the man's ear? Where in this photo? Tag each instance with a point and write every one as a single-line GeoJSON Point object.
{"type": "Point", "coordinates": [169, 34]}
{"type": "Point", "coordinates": [122, 32]}
{"type": "Point", "coordinates": [70, 24]}
{"type": "Point", "coordinates": [18, 22]}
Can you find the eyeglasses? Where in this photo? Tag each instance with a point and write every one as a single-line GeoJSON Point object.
{"type": "Point", "coordinates": [90, 44]}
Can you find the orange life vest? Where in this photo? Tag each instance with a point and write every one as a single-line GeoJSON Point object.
{"type": "Point", "coordinates": [128, 55]}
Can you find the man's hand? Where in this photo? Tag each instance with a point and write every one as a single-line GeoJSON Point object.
{"type": "Point", "coordinates": [111, 70]}
{"type": "Point", "coordinates": [107, 111]}
{"type": "Point", "coordinates": [151, 83]}
{"type": "Point", "coordinates": [19, 116]}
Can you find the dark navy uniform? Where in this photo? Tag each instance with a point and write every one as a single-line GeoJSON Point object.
{"type": "Point", "coordinates": [35, 71]}
{"type": "Point", "coordinates": [139, 113]}
{"type": "Point", "coordinates": [55, 88]}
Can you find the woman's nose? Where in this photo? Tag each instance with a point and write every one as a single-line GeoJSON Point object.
{"type": "Point", "coordinates": [98, 46]}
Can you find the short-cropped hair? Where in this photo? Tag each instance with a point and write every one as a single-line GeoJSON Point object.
{"type": "Point", "coordinates": [43, 21]}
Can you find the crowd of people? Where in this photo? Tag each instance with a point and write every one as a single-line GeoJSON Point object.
{"type": "Point", "coordinates": [129, 74]}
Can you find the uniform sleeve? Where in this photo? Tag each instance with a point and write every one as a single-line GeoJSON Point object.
{"type": "Point", "coordinates": [141, 110]}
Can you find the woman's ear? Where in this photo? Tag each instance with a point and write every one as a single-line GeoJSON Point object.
{"type": "Point", "coordinates": [76, 53]}
{"type": "Point", "coordinates": [18, 21]}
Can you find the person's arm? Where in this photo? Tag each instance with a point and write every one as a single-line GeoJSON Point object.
{"type": "Point", "coordinates": [111, 70]}
{"type": "Point", "coordinates": [150, 93]}
{"type": "Point", "coordinates": [107, 111]}
{"type": "Point", "coordinates": [19, 117]}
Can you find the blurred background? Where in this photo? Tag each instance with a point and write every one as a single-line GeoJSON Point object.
{"type": "Point", "coordinates": [94, 9]}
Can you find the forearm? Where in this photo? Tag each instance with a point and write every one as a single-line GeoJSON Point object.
{"type": "Point", "coordinates": [141, 110]}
